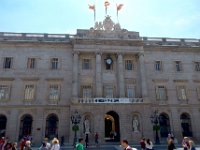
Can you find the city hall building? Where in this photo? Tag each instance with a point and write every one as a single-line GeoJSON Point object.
{"type": "Point", "coordinates": [115, 79]}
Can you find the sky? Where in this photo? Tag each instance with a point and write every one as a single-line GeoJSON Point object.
{"type": "Point", "coordinates": [152, 18]}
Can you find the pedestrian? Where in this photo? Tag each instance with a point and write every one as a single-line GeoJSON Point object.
{"type": "Point", "coordinates": [14, 146]}
{"type": "Point", "coordinates": [142, 144]}
{"type": "Point", "coordinates": [185, 143]}
{"type": "Point", "coordinates": [149, 144]}
{"type": "Point", "coordinates": [171, 145]}
{"type": "Point", "coordinates": [55, 144]}
{"type": "Point", "coordinates": [125, 146]}
{"type": "Point", "coordinates": [8, 146]}
{"type": "Point", "coordinates": [96, 137]}
{"type": "Point", "coordinates": [86, 140]}
{"type": "Point", "coordinates": [191, 144]}
{"type": "Point", "coordinates": [79, 145]}
{"type": "Point", "coordinates": [27, 146]}
{"type": "Point", "coordinates": [48, 145]}
{"type": "Point", "coordinates": [43, 146]}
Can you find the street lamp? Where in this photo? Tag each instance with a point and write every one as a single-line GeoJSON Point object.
{"type": "Point", "coordinates": [156, 127]}
{"type": "Point", "coordinates": [75, 119]}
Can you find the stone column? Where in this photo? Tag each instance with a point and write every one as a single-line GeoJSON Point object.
{"type": "Point", "coordinates": [120, 63]}
{"type": "Point", "coordinates": [75, 75]}
{"type": "Point", "coordinates": [98, 76]}
{"type": "Point", "coordinates": [143, 76]}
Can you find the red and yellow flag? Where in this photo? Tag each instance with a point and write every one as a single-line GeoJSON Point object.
{"type": "Point", "coordinates": [92, 7]}
{"type": "Point", "coordinates": [119, 7]}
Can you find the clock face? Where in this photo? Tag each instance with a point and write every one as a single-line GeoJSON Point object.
{"type": "Point", "coordinates": [109, 61]}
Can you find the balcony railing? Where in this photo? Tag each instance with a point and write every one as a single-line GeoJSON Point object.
{"type": "Point", "coordinates": [108, 100]}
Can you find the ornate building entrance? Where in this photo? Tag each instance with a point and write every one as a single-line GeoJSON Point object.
{"type": "Point", "coordinates": [112, 127]}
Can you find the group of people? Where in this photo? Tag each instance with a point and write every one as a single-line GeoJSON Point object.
{"type": "Point", "coordinates": [5, 144]}
{"type": "Point", "coordinates": [146, 144]}
{"type": "Point", "coordinates": [188, 144]}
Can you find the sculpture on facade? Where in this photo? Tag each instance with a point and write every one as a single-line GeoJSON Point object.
{"type": "Point", "coordinates": [98, 26]}
{"type": "Point", "coordinates": [87, 126]}
{"type": "Point", "coordinates": [135, 124]}
{"type": "Point", "coordinates": [108, 24]}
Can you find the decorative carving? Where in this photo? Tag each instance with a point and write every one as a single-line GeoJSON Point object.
{"type": "Point", "coordinates": [108, 24]}
{"type": "Point", "coordinates": [98, 26]}
{"type": "Point", "coordinates": [135, 124]}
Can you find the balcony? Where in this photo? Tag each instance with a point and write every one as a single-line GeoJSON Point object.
{"type": "Point", "coordinates": [108, 100]}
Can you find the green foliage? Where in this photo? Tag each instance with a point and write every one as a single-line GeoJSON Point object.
{"type": "Point", "coordinates": [75, 128]}
{"type": "Point", "coordinates": [156, 127]}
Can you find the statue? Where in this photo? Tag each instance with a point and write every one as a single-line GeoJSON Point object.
{"type": "Point", "coordinates": [87, 126]}
{"type": "Point", "coordinates": [98, 26]}
{"type": "Point", "coordinates": [135, 124]}
{"type": "Point", "coordinates": [117, 27]}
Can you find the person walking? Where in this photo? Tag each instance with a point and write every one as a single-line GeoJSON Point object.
{"type": "Point", "coordinates": [86, 140]}
{"type": "Point", "coordinates": [43, 146]}
{"type": "Point", "coordinates": [171, 145]}
{"type": "Point", "coordinates": [142, 144]}
{"type": "Point", "coordinates": [14, 146]}
{"type": "Point", "coordinates": [149, 144]}
{"type": "Point", "coordinates": [191, 145]}
{"type": "Point", "coordinates": [55, 144]}
{"type": "Point", "coordinates": [79, 145]}
{"type": "Point", "coordinates": [96, 137]}
{"type": "Point", "coordinates": [185, 143]}
{"type": "Point", "coordinates": [27, 146]}
{"type": "Point", "coordinates": [125, 146]}
{"type": "Point", "coordinates": [48, 145]}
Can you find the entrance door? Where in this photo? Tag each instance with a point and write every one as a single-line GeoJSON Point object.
{"type": "Point", "coordinates": [164, 125]}
{"type": "Point", "coordinates": [3, 121]}
{"type": "Point", "coordinates": [25, 126]}
{"type": "Point", "coordinates": [112, 128]}
{"type": "Point", "coordinates": [51, 126]}
{"type": "Point", "coordinates": [186, 125]}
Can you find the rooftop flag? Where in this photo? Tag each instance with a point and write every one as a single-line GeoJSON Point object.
{"type": "Point", "coordinates": [92, 7]}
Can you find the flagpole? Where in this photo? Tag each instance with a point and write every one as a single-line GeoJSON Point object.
{"type": "Point", "coordinates": [117, 13]}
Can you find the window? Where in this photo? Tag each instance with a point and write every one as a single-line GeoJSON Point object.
{"type": "Point", "coordinates": [128, 64]}
{"type": "Point", "coordinates": [54, 63]}
{"type": "Point", "coordinates": [161, 93]}
{"type": "Point", "coordinates": [181, 92]}
{"type": "Point", "coordinates": [54, 92]}
{"type": "Point", "coordinates": [108, 91]}
{"type": "Point", "coordinates": [8, 62]}
{"type": "Point", "coordinates": [198, 92]}
{"type": "Point", "coordinates": [178, 66]}
{"type": "Point", "coordinates": [86, 91]}
{"type": "Point", "coordinates": [31, 63]}
{"type": "Point", "coordinates": [158, 65]}
{"type": "Point", "coordinates": [29, 92]}
{"type": "Point", "coordinates": [86, 64]}
{"type": "Point", "coordinates": [130, 91]}
{"type": "Point", "coordinates": [4, 92]}
{"type": "Point", "coordinates": [197, 66]}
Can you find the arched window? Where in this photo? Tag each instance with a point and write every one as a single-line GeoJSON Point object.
{"type": "Point", "coordinates": [164, 125]}
{"type": "Point", "coordinates": [186, 125]}
{"type": "Point", "coordinates": [25, 126]}
{"type": "Point", "coordinates": [3, 122]}
{"type": "Point", "coordinates": [51, 126]}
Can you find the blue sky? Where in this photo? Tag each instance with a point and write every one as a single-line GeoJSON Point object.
{"type": "Point", "coordinates": [152, 18]}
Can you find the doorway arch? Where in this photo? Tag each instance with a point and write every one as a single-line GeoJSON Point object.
{"type": "Point", "coordinates": [3, 122]}
{"type": "Point", "coordinates": [52, 126]}
{"type": "Point", "coordinates": [112, 127]}
{"type": "Point", "coordinates": [164, 122]}
{"type": "Point", "coordinates": [25, 126]}
{"type": "Point", "coordinates": [186, 125]}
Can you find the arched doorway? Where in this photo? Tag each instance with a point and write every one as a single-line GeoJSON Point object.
{"type": "Point", "coordinates": [164, 125]}
{"type": "Point", "coordinates": [51, 126]}
{"type": "Point", "coordinates": [112, 127]}
{"type": "Point", "coordinates": [3, 122]}
{"type": "Point", "coordinates": [186, 125]}
{"type": "Point", "coordinates": [25, 126]}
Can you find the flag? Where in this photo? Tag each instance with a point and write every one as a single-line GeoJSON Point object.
{"type": "Point", "coordinates": [92, 7]}
{"type": "Point", "coordinates": [119, 7]}
{"type": "Point", "coordinates": [106, 3]}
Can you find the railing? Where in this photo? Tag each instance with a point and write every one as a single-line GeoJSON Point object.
{"type": "Point", "coordinates": [171, 41]}
{"type": "Point", "coordinates": [109, 100]}
{"type": "Point", "coordinates": [9, 36]}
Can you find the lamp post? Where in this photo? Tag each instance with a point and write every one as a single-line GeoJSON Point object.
{"type": "Point", "coordinates": [75, 119]}
{"type": "Point", "coordinates": [156, 127]}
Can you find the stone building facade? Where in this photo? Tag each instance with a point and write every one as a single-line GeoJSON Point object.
{"type": "Point", "coordinates": [113, 78]}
